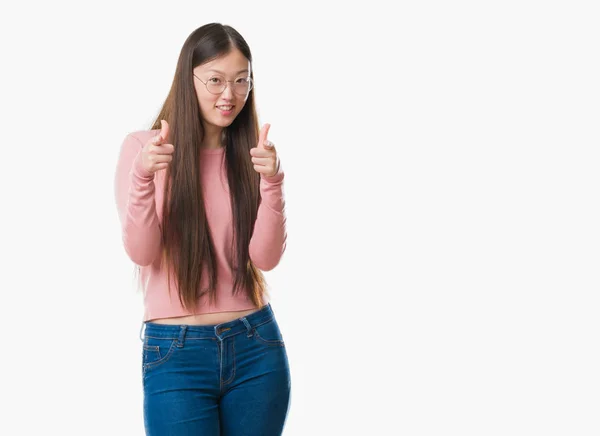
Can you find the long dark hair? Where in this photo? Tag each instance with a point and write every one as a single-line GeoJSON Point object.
{"type": "Point", "coordinates": [187, 244]}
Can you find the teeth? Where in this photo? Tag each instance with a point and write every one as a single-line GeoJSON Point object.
{"type": "Point", "coordinates": [225, 108]}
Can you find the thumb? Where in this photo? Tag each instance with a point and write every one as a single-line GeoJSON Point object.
{"type": "Point", "coordinates": [262, 137]}
{"type": "Point", "coordinates": [164, 130]}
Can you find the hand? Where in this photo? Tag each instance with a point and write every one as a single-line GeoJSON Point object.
{"type": "Point", "coordinates": [264, 156]}
{"type": "Point", "coordinates": [157, 154]}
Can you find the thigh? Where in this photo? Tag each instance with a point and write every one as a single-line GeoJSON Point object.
{"type": "Point", "coordinates": [179, 387]}
{"type": "Point", "coordinates": [257, 401]}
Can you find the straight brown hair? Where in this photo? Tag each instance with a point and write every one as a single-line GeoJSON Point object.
{"type": "Point", "coordinates": [188, 249]}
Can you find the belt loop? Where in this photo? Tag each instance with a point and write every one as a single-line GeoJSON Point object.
{"type": "Point", "coordinates": [142, 328]}
{"type": "Point", "coordinates": [181, 336]}
{"type": "Point", "coordinates": [248, 327]}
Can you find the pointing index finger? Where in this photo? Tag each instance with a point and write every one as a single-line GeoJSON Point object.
{"type": "Point", "coordinates": [262, 137]}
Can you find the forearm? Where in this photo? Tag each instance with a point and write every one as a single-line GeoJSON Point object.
{"type": "Point", "coordinates": [135, 193]}
{"type": "Point", "coordinates": [269, 238]}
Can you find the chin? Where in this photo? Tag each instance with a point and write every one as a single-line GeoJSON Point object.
{"type": "Point", "coordinates": [222, 123]}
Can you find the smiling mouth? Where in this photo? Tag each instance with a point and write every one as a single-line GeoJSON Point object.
{"type": "Point", "coordinates": [225, 108]}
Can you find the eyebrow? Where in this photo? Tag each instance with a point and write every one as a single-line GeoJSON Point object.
{"type": "Point", "coordinates": [218, 71]}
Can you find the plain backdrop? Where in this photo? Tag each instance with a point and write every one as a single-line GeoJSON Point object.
{"type": "Point", "coordinates": [441, 272]}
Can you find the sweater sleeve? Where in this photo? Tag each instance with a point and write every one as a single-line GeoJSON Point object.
{"type": "Point", "coordinates": [268, 241]}
{"type": "Point", "coordinates": [134, 193]}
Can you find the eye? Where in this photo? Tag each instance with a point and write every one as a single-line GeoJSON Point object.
{"type": "Point", "coordinates": [243, 80]}
{"type": "Point", "coordinates": [216, 80]}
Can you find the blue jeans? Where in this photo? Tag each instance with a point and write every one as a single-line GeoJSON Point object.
{"type": "Point", "coordinates": [228, 379]}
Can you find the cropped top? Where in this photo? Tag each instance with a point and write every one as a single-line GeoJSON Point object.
{"type": "Point", "coordinates": [139, 199]}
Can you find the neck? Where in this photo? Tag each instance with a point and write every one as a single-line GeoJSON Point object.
{"type": "Point", "coordinates": [212, 137]}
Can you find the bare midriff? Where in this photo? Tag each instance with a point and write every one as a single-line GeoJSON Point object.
{"type": "Point", "coordinates": [204, 318]}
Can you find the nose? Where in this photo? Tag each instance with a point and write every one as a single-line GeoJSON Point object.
{"type": "Point", "coordinates": [228, 92]}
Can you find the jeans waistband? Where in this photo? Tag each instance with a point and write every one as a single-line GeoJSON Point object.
{"type": "Point", "coordinates": [219, 331]}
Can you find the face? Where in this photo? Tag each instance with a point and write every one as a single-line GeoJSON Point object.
{"type": "Point", "coordinates": [233, 69]}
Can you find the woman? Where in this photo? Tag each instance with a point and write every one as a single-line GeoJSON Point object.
{"type": "Point", "coordinates": [201, 204]}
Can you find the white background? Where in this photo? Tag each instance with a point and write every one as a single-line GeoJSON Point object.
{"type": "Point", "coordinates": [441, 273]}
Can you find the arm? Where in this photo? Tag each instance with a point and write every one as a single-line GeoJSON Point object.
{"type": "Point", "coordinates": [268, 241]}
{"type": "Point", "coordinates": [134, 193]}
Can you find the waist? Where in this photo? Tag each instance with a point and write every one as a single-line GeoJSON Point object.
{"type": "Point", "coordinates": [229, 328]}
{"type": "Point", "coordinates": [204, 318]}
{"type": "Point", "coordinates": [162, 305]}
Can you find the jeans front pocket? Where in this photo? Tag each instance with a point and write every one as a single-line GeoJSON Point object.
{"type": "Point", "coordinates": [268, 333]}
{"type": "Point", "coordinates": [157, 351]}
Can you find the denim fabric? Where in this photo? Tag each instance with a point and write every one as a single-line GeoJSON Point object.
{"type": "Point", "coordinates": [228, 379]}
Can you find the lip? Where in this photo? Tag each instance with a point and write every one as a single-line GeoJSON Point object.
{"type": "Point", "coordinates": [226, 113]}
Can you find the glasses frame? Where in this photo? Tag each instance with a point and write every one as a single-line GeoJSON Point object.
{"type": "Point", "coordinates": [226, 85]}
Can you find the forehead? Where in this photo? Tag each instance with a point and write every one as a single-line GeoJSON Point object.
{"type": "Point", "coordinates": [232, 63]}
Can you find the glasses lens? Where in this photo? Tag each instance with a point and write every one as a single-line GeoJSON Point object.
{"type": "Point", "coordinates": [216, 85]}
{"type": "Point", "coordinates": [243, 85]}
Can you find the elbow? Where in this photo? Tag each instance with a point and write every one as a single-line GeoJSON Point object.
{"type": "Point", "coordinates": [140, 260]}
{"type": "Point", "coordinates": [265, 266]}
{"type": "Point", "coordinates": [141, 253]}
{"type": "Point", "coordinates": [266, 261]}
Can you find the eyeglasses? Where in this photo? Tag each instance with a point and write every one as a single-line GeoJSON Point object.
{"type": "Point", "coordinates": [218, 84]}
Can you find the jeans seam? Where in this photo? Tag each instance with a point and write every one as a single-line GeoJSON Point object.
{"type": "Point", "coordinates": [219, 345]}
{"type": "Point", "coordinates": [162, 359]}
{"type": "Point", "coordinates": [233, 371]}
{"type": "Point", "coordinates": [275, 342]}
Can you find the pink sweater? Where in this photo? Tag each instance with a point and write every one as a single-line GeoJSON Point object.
{"type": "Point", "coordinates": [139, 198]}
